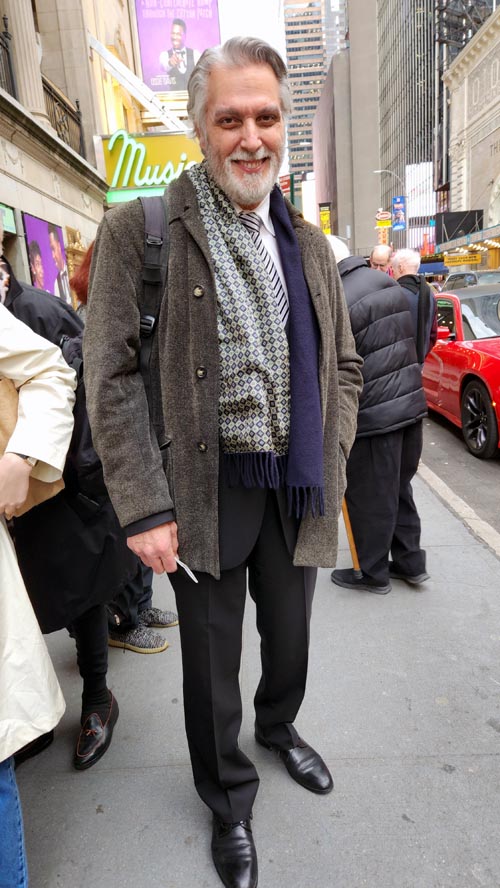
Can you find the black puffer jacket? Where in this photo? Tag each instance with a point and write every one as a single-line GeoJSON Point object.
{"type": "Point", "coordinates": [392, 395]}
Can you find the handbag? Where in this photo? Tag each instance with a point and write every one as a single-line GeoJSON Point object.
{"type": "Point", "coordinates": [38, 491]}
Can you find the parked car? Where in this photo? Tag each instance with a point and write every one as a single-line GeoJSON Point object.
{"type": "Point", "coordinates": [462, 372]}
{"type": "Point", "coordinates": [458, 279]}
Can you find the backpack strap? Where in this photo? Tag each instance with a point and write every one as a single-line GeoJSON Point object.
{"type": "Point", "coordinates": [422, 310]}
{"type": "Point", "coordinates": [154, 277]}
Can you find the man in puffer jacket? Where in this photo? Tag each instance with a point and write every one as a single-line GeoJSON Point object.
{"type": "Point", "coordinates": [388, 443]}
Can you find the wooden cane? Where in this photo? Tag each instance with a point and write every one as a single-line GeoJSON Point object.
{"type": "Point", "coordinates": [358, 573]}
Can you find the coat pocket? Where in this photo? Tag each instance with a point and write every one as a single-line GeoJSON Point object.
{"type": "Point", "coordinates": [166, 461]}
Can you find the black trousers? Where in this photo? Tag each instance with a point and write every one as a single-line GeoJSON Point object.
{"type": "Point", "coordinates": [90, 631]}
{"type": "Point", "coordinates": [380, 502]}
{"type": "Point", "coordinates": [211, 617]}
{"type": "Point", "coordinates": [134, 597]}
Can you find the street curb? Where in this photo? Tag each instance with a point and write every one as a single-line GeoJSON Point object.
{"type": "Point", "coordinates": [481, 529]}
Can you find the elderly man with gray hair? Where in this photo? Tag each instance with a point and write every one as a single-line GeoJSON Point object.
{"type": "Point", "coordinates": [255, 383]}
{"type": "Point", "coordinates": [380, 258]}
{"type": "Point", "coordinates": [423, 307]}
{"type": "Point", "coordinates": [388, 444]}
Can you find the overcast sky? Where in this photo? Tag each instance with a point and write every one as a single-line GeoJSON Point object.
{"type": "Point", "coordinates": [253, 18]}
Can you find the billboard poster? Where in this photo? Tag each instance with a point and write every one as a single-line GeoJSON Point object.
{"type": "Point", "coordinates": [399, 213]}
{"type": "Point", "coordinates": [47, 256]}
{"type": "Point", "coordinates": [172, 36]}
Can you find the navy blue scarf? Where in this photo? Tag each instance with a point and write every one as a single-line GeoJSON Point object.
{"type": "Point", "coordinates": [301, 471]}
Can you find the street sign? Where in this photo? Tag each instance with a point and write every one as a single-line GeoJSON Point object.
{"type": "Point", "coordinates": [383, 219]}
{"type": "Point", "coordinates": [462, 259]}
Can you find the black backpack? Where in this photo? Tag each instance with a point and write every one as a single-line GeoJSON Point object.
{"type": "Point", "coordinates": [83, 473]}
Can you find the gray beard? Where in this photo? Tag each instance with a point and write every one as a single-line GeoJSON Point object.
{"type": "Point", "coordinates": [240, 191]}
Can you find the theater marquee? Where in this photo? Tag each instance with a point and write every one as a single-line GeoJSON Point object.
{"type": "Point", "coordinates": [143, 164]}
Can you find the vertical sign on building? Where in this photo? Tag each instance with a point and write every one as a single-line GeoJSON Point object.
{"type": "Point", "coordinates": [325, 217]}
{"type": "Point", "coordinates": [172, 36]}
{"type": "Point", "coordinates": [399, 213]}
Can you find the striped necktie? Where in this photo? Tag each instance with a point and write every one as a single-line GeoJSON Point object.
{"type": "Point", "coordinates": [252, 222]}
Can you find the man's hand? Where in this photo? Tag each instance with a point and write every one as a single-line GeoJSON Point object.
{"type": "Point", "coordinates": [14, 482]}
{"type": "Point", "coordinates": [157, 547]}
{"type": "Point", "coordinates": [174, 60]}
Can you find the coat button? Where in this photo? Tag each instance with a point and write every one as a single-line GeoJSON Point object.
{"type": "Point", "coordinates": [198, 292]}
{"type": "Point", "coordinates": [201, 372]}
{"type": "Point", "coordinates": [202, 447]}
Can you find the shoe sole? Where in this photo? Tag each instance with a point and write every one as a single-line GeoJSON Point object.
{"type": "Point", "coordinates": [413, 581]}
{"type": "Point", "coordinates": [161, 625]}
{"type": "Point", "coordinates": [380, 590]}
{"type": "Point", "coordinates": [304, 785]}
{"type": "Point", "coordinates": [125, 646]}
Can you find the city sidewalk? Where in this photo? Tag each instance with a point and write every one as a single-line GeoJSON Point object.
{"type": "Point", "coordinates": [403, 702]}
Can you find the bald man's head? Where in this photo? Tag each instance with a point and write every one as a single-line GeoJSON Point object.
{"type": "Point", "coordinates": [380, 257]}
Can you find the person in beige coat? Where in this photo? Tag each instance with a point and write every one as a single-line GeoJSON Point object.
{"type": "Point", "coordinates": [31, 702]}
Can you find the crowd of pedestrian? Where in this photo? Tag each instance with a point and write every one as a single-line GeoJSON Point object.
{"type": "Point", "coordinates": [284, 373]}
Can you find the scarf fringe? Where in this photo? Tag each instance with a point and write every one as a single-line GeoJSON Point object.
{"type": "Point", "coordinates": [255, 469]}
{"type": "Point", "coordinates": [268, 470]}
{"type": "Point", "coordinates": [301, 499]}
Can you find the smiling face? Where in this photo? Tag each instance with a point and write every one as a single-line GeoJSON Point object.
{"type": "Point", "coordinates": [177, 37]}
{"type": "Point", "coordinates": [244, 135]}
{"type": "Point", "coordinates": [57, 255]}
{"type": "Point", "coordinates": [37, 271]}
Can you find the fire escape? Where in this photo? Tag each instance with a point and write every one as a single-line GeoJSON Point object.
{"type": "Point", "coordinates": [456, 22]}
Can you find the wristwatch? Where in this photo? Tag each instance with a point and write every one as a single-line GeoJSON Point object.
{"type": "Point", "coordinates": [31, 460]}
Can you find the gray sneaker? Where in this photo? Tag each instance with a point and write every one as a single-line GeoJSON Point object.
{"type": "Point", "coordinates": [158, 619]}
{"type": "Point", "coordinates": [140, 640]}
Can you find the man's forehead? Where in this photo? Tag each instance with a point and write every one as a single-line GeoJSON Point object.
{"type": "Point", "coordinates": [247, 89]}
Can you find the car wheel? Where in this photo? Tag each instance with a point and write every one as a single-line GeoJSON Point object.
{"type": "Point", "coordinates": [479, 424]}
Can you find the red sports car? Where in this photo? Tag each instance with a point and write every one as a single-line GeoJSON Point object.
{"type": "Point", "coordinates": [462, 372]}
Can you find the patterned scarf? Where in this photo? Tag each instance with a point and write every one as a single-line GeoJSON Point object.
{"type": "Point", "coordinates": [255, 402]}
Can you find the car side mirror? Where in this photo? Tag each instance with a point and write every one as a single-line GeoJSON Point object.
{"type": "Point", "coordinates": [444, 333]}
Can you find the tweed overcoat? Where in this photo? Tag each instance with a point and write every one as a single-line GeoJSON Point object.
{"type": "Point", "coordinates": [146, 480]}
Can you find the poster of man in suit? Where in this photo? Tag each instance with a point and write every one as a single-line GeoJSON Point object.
{"type": "Point", "coordinates": [172, 38]}
{"type": "Point", "coordinates": [47, 256]}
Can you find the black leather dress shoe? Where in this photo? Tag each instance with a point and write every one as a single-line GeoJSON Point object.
{"type": "Point", "coordinates": [95, 737]}
{"type": "Point", "coordinates": [233, 853]}
{"type": "Point", "coordinates": [304, 765]}
{"type": "Point", "coordinates": [33, 748]}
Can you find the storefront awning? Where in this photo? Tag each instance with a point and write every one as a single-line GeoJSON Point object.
{"type": "Point", "coordinates": [137, 88]}
{"type": "Point", "coordinates": [433, 268]}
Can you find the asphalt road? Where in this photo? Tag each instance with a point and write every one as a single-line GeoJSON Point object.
{"type": "Point", "coordinates": [476, 481]}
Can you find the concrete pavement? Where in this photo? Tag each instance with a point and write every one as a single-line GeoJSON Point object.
{"type": "Point", "coordinates": [403, 702]}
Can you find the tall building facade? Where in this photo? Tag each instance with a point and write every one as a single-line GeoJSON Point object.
{"type": "Point", "coordinates": [417, 40]}
{"type": "Point", "coordinates": [456, 22]}
{"type": "Point", "coordinates": [314, 30]}
{"type": "Point", "coordinates": [346, 132]}
{"type": "Point", "coordinates": [405, 36]}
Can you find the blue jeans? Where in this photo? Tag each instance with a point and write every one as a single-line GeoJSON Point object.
{"type": "Point", "coordinates": [13, 868]}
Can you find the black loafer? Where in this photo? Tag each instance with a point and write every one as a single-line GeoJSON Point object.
{"type": "Point", "coordinates": [234, 854]}
{"type": "Point", "coordinates": [304, 765]}
{"type": "Point", "coordinates": [33, 748]}
{"type": "Point", "coordinates": [95, 737]}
